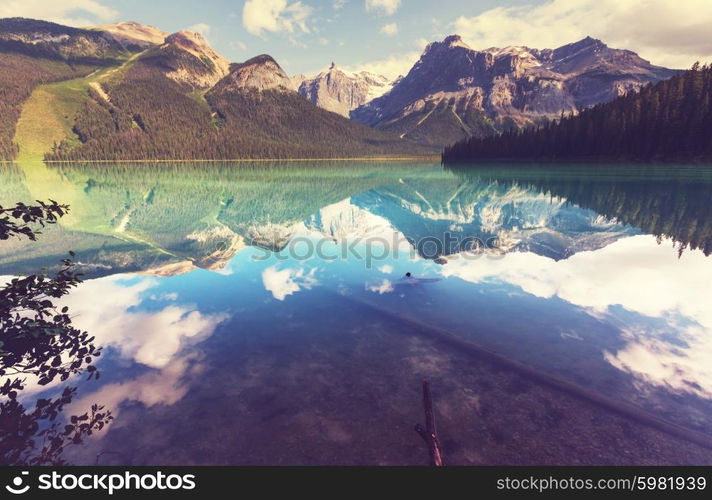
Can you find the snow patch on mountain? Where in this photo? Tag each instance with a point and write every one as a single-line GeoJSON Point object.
{"type": "Point", "coordinates": [341, 91]}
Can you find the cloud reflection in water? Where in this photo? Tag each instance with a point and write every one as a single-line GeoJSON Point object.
{"type": "Point", "coordinates": [640, 275]}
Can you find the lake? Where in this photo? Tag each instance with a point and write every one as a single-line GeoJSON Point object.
{"type": "Point", "coordinates": [260, 313]}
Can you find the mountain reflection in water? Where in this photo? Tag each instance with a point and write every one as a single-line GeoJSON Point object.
{"type": "Point", "coordinates": [229, 341]}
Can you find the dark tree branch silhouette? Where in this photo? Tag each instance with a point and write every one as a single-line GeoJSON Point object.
{"type": "Point", "coordinates": [38, 339]}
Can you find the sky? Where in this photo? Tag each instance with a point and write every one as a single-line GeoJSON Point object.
{"type": "Point", "coordinates": [388, 36]}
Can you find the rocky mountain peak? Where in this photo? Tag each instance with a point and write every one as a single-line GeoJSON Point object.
{"type": "Point", "coordinates": [340, 92]}
{"type": "Point", "coordinates": [574, 49]}
{"type": "Point", "coordinates": [207, 66]}
{"type": "Point", "coordinates": [131, 33]}
{"type": "Point", "coordinates": [590, 41]}
{"type": "Point", "coordinates": [261, 72]}
{"type": "Point", "coordinates": [449, 42]}
{"type": "Point", "coordinates": [590, 56]}
{"type": "Point", "coordinates": [197, 45]}
{"type": "Point", "coordinates": [454, 41]}
{"type": "Point", "coordinates": [187, 39]}
{"type": "Point", "coordinates": [454, 91]}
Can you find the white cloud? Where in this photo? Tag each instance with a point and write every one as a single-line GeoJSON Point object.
{"type": "Point", "coordinates": [69, 12]}
{"type": "Point", "coordinates": [421, 43]}
{"type": "Point", "coordinates": [165, 386]}
{"type": "Point", "coordinates": [165, 296]}
{"type": "Point", "coordinates": [387, 7]}
{"type": "Point", "coordinates": [389, 29]}
{"type": "Point", "coordinates": [276, 16]}
{"type": "Point", "coordinates": [338, 4]}
{"type": "Point", "coordinates": [287, 281]}
{"type": "Point", "coordinates": [108, 308]}
{"type": "Point", "coordinates": [202, 28]}
{"type": "Point", "coordinates": [662, 363]}
{"type": "Point", "coordinates": [611, 275]}
{"type": "Point", "coordinates": [674, 34]}
{"type": "Point", "coordinates": [639, 275]}
{"type": "Point", "coordinates": [383, 286]}
{"type": "Point", "coordinates": [386, 269]}
{"type": "Point", "coordinates": [391, 67]}
{"type": "Point", "coordinates": [238, 45]}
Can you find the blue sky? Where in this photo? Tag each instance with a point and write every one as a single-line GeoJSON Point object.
{"type": "Point", "coordinates": [387, 36]}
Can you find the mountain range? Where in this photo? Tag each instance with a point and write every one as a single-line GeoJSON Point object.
{"type": "Point", "coordinates": [135, 92]}
{"type": "Point", "coordinates": [454, 92]}
{"type": "Point", "coordinates": [114, 93]}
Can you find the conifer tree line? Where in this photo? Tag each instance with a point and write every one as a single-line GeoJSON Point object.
{"type": "Point", "coordinates": [666, 121]}
{"type": "Point", "coordinates": [151, 117]}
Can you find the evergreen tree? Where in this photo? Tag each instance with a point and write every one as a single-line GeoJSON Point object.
{"type": "Point", "coordinates": [670, 120]}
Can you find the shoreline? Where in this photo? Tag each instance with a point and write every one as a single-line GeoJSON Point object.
{"type": "Point", "coordinates": [423, 159]}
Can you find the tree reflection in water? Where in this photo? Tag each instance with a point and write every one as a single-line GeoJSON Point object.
{"type": "Point", "coordinates": [656, 203]}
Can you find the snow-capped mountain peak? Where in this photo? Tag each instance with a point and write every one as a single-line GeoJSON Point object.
{"type": "Point", "coordinates": [342, 91]}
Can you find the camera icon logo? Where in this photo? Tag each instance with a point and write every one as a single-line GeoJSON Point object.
{"type": "Point", "coordinates": [16, 488]}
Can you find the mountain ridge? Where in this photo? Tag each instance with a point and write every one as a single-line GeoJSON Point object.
{"type": "Point", "coordinates": [170, 103]}
{"type": "Point", "coordinates": [212, 66]}
{"type": "Point", "coordinates": [177, 99]}
{"type": "Point", "coordinates": [148, 92]}
{"type": "Point", "coordinates": [133, 35]}
{"type": "Point", "coordinates": [51, 40]}
{"type": "Point", "coordinates": [454, 91]}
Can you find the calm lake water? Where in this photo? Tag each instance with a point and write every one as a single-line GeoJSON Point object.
{"type": "Point", "coordinates": [260, 314]}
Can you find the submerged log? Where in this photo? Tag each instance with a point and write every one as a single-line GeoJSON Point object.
{"type": "Point", "coordinates": [430, 432]}
{"type": "Point", "coordinates": [614, 405]}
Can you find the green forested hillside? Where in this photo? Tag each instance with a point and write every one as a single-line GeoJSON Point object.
{"type": "Point", "coordinates": [159, 103]}
{"type": "Point", "coordinates": [146, 116]}
{"type": "Point", "coordinates": [19, 75]}
{"type": "Point", "coordinates": [34, 53]}
{"type": "Point", "coordinates": [670, 120]}
{"type": "Point", "coordinates": [149, 116]}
